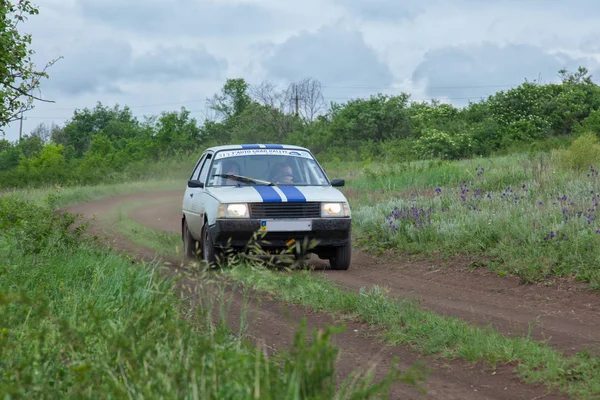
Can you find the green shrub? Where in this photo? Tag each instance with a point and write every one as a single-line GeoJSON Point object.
{"type": "Point", "coordinates": [590, 124]}
{"type": "Point", "coordinates": [583, 153]}
{"type": "Point", "coordinates": [439, 144]}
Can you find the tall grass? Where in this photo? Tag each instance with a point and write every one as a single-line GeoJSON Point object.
{"type": "Point", "coordinates": [528, 216]}
{"type": "Point", "coordinates": [77, 321]}
{"type": "Point", "coordinates": [399, 321]}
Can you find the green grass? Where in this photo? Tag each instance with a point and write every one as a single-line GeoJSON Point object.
{"type": "Point", "coordinates": [64, 196]}
{"type": "Point", "coordinates": [73, 173]}
{"type": "Point", "coordinates": [78, 321]}
{"type": "Point", "coordinates": [163, 242]}
{"type": "Point", "coordinates": [522, 237]}
{"type": "Point", "coordinates": [404, 322]}
{"type": "Point", "coordinates": [145, 176]}
{"type": "Point", "coordinates": [522, 215]}
{"type": "Point", "coordinates": [508, 236]}
{"type": "Point", "coordinates": [419, 175]}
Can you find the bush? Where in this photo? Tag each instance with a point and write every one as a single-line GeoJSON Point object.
{"type": "Point", "coordinates": [590, 124]}
{"type": "Point", "coordinates": [436, 143]}
{"type": "Point", "coordinates": [35, 228]}
{"type": "Point", "coordinates": [583, 153]}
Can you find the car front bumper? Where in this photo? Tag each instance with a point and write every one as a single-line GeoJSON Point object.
{"type": "Point", "coordinates": [328, 232]}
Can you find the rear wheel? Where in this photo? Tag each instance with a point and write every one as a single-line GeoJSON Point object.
{"type": "Point", "coordinates": [208, 248]}
{"type": "Point", "coordinates": [341, 258]}
{"type": "Point", "coordinates": [190, 245]}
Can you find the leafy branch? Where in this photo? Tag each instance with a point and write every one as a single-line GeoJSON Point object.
{"type": "Point", "coordinates": [19, 77]}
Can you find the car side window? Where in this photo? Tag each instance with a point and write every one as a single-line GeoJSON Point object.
{"type": "Point", "coordinates": [205, 168]}
{"type": "Point", "coordinates": [197, 169]}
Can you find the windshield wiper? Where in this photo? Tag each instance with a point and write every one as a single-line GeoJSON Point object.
{"type": "Point", "coordinates": [245, 179]}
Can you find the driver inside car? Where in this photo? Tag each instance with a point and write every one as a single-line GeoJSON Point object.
{"type": "Point", "coordinates": [233, 168]}
{"type": "Point", "coordinates": [282, 173]}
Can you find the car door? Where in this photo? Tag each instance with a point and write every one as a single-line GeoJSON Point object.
{"type": "Point", "coordinates": [196, 195]}
{"type": "Point", "coordinates": [190, 199]}
{"type": "Point", "coordinates": [187, 196]}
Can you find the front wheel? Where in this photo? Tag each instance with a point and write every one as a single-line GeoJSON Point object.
{"type": "Point", "coordinates": [341, 258]}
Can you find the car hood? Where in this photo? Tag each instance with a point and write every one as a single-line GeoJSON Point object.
{"type": "Point", "coordinates": [271, 194]}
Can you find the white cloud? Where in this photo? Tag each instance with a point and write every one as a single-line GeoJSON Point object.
{"type": "Point", "coordinates": [470, 72]}
{"type": "Point", "coordinates": [335, 55]}
{"type": "Point", "coordinates": [180, 17]}
{"type": "Point", "coordinates": [180, 52]}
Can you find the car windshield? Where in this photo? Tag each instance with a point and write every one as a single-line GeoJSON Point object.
{"type": "Point", "coordinates": [265, 166]}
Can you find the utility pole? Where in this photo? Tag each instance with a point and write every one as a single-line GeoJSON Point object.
{"type": "Point", "coordinates": [21, 126]}
{"type": "Point", "coordinates": [296, 89]}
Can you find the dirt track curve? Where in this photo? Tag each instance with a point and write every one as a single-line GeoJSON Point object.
{"type": "Point", "coordinates": [568, 314]}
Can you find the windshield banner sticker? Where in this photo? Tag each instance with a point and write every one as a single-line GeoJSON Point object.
{"type": "Point", "coordinates": [254, 152]}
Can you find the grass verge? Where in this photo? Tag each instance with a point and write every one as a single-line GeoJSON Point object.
{"type": "Point", "coordinates": [162, 242]}
{"type": "Point", "coordinates": [404, 322]}
{"type": "Point", "coordinates": [64, 196]}
{"type": "Point", "coordinates": [522, 216]}
{"type": "Point", "coordinates": [77, 321]}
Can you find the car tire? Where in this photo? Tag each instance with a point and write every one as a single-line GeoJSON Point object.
{"type": "Point", "coordinates": [208, 248]}
{"type": "Point", "coordinates": [190, 245]}
{"type": "Point", "coordinates": [342, 257]}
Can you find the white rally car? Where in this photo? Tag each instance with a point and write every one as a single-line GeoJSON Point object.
{"type": "Point", "coordinates": [280, 190]}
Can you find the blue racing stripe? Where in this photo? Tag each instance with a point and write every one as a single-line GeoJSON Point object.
{"type": "Point", "coordinates": [273, 146]}
{"type": "Point", "coordinates": [250, 146]}
{"type": "Point", "coordinates": [268, 194]}
{"type": "Point", "coordinates": [292, 193]}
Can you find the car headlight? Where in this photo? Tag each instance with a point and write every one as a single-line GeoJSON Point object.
{"type": "Point", "coordinates": [233, 210]}
{"type": "Point", "coordinates": [340, 209]}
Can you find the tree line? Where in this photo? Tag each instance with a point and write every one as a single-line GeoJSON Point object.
{"type": "Point", "coordinates": [96, 143]}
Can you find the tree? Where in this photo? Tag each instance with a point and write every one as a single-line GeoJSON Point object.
{"type": "Point", "coordinates": [581, 76]}
{"type": "Point", "coordinates": [310, 98]}
{"type": "Point", "coordinates": [377, 119]}
{"type": "Point", "coordinates": [18, 75]}
{"type": "Point", "coordinates": [232, 101]}
{"type": "Point", "coordinates": [267, 94]}
{"type": "Point", "coordinates": [274, 109]}
{"type": "Point", "coordinates": [44, 132]}
{"type": "Point", "coordinates": [176, 131]}
{"type": "Point", "coordinates": [78, 132]}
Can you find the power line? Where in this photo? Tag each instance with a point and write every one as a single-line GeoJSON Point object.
{"type": "Point", "coordinates": [323, 86]}
{"type": "Point", "coordinates": [428, 87]}
{"type": "Point", "coordinates": [199, 101]}
{"type": "Point", "coordinates": [202, 111]}
{"type": "Point", "coordinates": [140, 105]}
{"type": "Point", "coordinates": [412, 98]}
{"type": "Point", "coordinates": [183, 103]}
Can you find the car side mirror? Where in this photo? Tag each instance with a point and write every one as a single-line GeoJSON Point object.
{"type": "Point", "coordinates": [192, 183]}
{"type": "Point", "coordinates": [338, 182]}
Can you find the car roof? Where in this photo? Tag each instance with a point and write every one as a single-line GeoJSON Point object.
{"type": "Point", "coordinates": [256, 146]}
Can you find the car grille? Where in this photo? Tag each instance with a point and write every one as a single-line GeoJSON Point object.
{"type": "Point", "coordinates": [285, 210]}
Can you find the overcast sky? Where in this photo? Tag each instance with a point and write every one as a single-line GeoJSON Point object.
{"type": "Point", "coordinates": [160, 55]}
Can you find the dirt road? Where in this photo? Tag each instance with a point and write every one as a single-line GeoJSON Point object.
{"type": "Point", "coordinates": [567, 313]}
